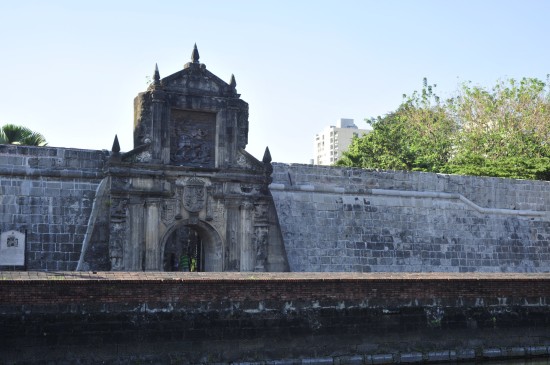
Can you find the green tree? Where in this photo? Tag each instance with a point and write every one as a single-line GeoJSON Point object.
{"type": "Point", "coordinates": [14, 134]}
{"type": "Point", "coordinates": [502, 131]}
{"type": "Point", "coordinates": [417, 136]}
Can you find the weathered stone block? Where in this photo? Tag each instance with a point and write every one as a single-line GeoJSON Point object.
{"type": "Point", "coordinates": [537, 350]}
{"type": "Point", "coordinates": [380, 359]}
{"type": "Point", "coordinates": [411, 358]}
{"type": "Point", "coordinates": [318, 361]}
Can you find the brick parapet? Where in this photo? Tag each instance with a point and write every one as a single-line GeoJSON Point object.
{"type": "Point", "coordinates": [261, 318]}
{"type": "Point", "coordinates": [181, 289]}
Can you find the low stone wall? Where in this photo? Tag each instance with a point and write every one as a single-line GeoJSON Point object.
{"type": "Point", "coordinates": [284, 318]}
{"type": "Point", "coordinates": [47, 193]}
{"type": "Point", "coordinates": [342, 219]}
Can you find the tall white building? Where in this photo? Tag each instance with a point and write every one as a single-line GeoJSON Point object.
{"type": "Point", "coordinates": [333, 140]}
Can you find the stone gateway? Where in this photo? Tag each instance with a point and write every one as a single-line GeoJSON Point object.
{"type": "Point", "coordinates": [188, 196]}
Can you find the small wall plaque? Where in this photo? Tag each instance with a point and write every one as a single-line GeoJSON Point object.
{"type": "Point", "coordinates": [12, 248]}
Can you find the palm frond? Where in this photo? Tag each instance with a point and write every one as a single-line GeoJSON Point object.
{"type": "Point", "coordinates": [15, 134]}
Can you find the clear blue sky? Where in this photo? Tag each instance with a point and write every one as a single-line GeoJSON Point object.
{"type": "Point", "coordinates": [70, 69]}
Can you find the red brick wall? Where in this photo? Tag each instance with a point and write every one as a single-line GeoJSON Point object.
{"type": "Point", "coordinates": [180, 289]}
{"type": "Point", "coordinates": [232, 317]}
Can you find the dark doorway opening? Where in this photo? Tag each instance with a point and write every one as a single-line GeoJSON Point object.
{"type": "Point", "coordinates": [183, 251]}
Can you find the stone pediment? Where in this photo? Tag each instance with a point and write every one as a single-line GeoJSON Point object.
{"type": "Point", "coordinates": [195, 78]}
{"type": "Point", "coordinates": [191, 118]}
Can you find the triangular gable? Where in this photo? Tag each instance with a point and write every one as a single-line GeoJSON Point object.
{"type": "Point", "coordinates": [196, 78]}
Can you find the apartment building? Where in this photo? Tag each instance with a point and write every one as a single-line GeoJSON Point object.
{"type": "Point", "coordinates": [329, 144]}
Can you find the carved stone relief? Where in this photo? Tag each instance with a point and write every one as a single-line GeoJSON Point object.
{"type": "Point", "coordinates": [168, 211]}
{"type": "Point", "coordinates": [118, 230]}
{"type": "Point", "coordinates": [118, 209]}
{"type": "Point", "coordinates": [144, 156]}
{"type": "Point", "coordinates": [12, 241]}
{"type": "Point", "coordinates": [116, 250]}
{"type": "Point", "coordinates": [218, 216]}
{"type": "Point", "coordinates": [241, 161]}
{"type": "Point", "coordinates": [260, 213]}
{"type": "Point", "coordinates": [192, 138]}
{"type": "Point", "coordinates": [194, 196]}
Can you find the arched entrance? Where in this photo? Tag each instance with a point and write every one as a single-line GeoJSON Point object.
{"type": "Point", "coordinates": [183, 251]}
{"type": "Point", "coordinates": [191, 246]}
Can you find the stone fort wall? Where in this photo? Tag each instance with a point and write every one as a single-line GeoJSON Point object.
{"type": "Point", "coordinates": [332, 219]}
{"type": "Point", "coordinates": [344, 219]}
{"type": "Point", "coordinates": [47, 193]}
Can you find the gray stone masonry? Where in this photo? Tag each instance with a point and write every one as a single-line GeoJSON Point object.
{"type": "Point", "coordinates": [344, 219]}
{"type": "Point", "coordinates": [332, 219]}
{"type": "Point", "coordinates": [48, 193]}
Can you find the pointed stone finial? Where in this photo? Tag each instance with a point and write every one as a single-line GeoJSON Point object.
{"type": "Point", "coordinates": [268, 168]}
{"type": "Point", "coordinates": [267, 156]}
{"type": "Point", "coordinates": [116, 146]}
{"type": "Point", "coordinates": [156, 76]}
{"type": "Point", "coordinates": [233, 83]}
{"type": "Point", "coordinates": [195, 55]}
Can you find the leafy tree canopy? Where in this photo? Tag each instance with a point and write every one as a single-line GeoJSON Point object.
{"type": "Point", "coordinates": [14, 134]}
{"type": "Point", "coordinates": [502, 131]}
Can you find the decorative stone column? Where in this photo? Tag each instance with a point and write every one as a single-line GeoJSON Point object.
{"type": "Point", "coordinates": [261, 236]}
{"type": "Point", "coordinates": [245, 237]}
{"type": "Point", "coordinates": [118, 232]}
{"type": "Point", "coordinates": [153, 261]}
{"type": "Point", "coordinates": [233, 244]}
{"type": "Point", "coordinates": [134, 249]}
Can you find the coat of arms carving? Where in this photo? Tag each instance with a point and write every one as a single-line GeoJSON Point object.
{"type": "Point", "coordinates": [194, 196]}
{"type": "Point", "coordinates": [168, 212]}
{"type": "Point", "coordinates": [12, 241]}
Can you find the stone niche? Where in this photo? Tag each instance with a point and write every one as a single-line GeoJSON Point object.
{"type": "Point", "coordinates": [187, 197]}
